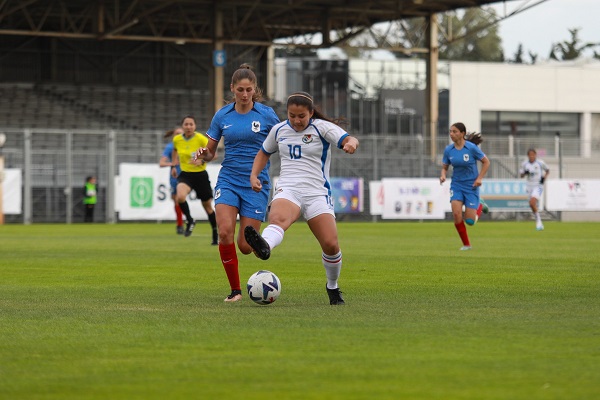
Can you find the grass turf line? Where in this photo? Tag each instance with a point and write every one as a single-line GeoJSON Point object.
{"type": "Point", "coordinates": [133, 311]}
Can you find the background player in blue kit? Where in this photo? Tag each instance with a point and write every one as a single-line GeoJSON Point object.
{"type": "Point", "coordinates": [304, 143]}
{"type": "Point", "coordinates": [166, 160]}
{"type": "Point", "coordinates": [536, 172]}
{"type": "Point", "coordinates": [243, 125]}
{"type": "Point", "coordinates": [466, 179]}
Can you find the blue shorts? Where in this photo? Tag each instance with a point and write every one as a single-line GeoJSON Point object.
{"type": "Point", "coordinates": [468, 196]}
{"type": "Point", "coordinates": [249, 203]}
{"type": "Point", "coordinates": [173, 183]}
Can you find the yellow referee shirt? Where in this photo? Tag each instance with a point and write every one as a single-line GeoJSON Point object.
{"type": "Point", "coordinates": [186, 149]}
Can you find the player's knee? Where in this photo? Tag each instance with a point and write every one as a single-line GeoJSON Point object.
{"type": "Point", "coordinates": [470, 221]}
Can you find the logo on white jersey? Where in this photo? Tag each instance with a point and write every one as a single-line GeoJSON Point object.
{"type": "Point", "coordinates": [465, 157]}
{"type": "Point", "coordinates": [255, 126]}
{"type": "Point", "coordinates": [306, 139]}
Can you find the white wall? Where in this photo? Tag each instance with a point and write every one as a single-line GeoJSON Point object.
{"type": "Point", "coordinates": [553, 87]}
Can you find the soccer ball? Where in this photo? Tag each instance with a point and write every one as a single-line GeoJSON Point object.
{"type": "Point", "coordinates": [264, 287]}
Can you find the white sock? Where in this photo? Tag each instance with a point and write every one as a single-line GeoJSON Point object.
{"type": "Point", "coordinates": [538, 219]}
{"type": "Point", "coordinates": [273, 234]}
{"type": "Point", "coordinates": [333, 267]}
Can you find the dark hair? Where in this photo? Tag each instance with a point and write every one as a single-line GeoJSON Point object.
{"type": "Point", "coordinates": [474, 137]}
{"type": "Point", "coordinates": [306, 100]}
{"type": "Point", "coordinates": [245, 72]}
{"type": "Point", "coordinates": [189, 116]}
{"type": "Point", "coordinates": [171, 132]}
{"type": "Point", "coordinates": [89, 178]}
{"type": "Point", "coordinates": [530, 150]}
{"type": "Point", "coordinates": [460, 126]}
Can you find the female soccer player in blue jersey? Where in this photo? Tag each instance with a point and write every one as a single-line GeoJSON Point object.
{"type": "Point", "coordinates": [243, 125]}
{"type": "Point", "coordinates": [304, 143]}
{"type": "Point", "coordinates": [166, 160]}
{"type": "Point", "coordinates": [466, 179]}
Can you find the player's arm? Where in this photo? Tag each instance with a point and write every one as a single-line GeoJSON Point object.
{"type": "Point", "coordinates": [485, 165]}
{"type": "Point", "coordinates": [260, 162]}
{"type": "Point", "coordinates": [443, 173]}
{"type": "Point", "coordinates": [165, 162]}
{"type": "Point", "coordinates": [209, 152]}
{"type": "Point", "coordinates": [350, 144]}
{"type": "Point", "coordinates": [547, 172]}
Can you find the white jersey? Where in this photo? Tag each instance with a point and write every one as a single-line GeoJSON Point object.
{"type": "Point", "coordinates": [536, 169]}
{"type": "Point", "coordinates": [305, 156]}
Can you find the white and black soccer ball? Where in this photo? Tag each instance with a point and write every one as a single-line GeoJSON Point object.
{"type": "Point", "coordinates": [264, 287]}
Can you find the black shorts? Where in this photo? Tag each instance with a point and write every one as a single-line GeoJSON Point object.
{"type": "Point", "coordinates": [198, 182]}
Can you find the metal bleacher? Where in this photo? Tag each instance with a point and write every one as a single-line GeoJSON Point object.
{"type": "Point", "coordinates": [72, 106]}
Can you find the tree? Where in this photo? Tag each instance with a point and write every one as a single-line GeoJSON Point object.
{"type": "Point", "coordinates": [518, 57]}
{"type": "Point", "coordinates": [570, 49]}
{"type": "Point", "coordinates": [471, 36]}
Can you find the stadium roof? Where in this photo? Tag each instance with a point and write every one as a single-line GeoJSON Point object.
{"type": "Point", "coordinates": [244, 22]}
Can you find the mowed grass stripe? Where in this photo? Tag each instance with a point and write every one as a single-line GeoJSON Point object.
{"type": "Point", "coordinates": [133, 311]}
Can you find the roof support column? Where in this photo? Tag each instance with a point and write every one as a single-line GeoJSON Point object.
{"type": "Point", "coordinates": [218, 83]}
{"type": "Point", "coordinates": [431, 92]}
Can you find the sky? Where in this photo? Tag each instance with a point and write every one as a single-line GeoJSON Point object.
{"type": "Point", "coordinates": [546, 23]}
{"type": "Point", "coordinates": [537, 28]}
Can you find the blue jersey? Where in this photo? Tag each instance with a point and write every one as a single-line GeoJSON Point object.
{"type": "Point", "coordinates": [168, 153]}
{"type": "Point", "coordinates": [464, 163]}
{"type": "Point", "coordinates": [243, 137]}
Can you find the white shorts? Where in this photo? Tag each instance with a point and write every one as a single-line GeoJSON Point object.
{"type": "Point", "coordinates": [535, 192]}
{"type": "Point", "coordinates": [310, 205]}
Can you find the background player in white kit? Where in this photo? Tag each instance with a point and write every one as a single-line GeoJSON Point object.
{"type": "Point", "coordinates": [536, 172]}
{"type": "Point", "coordinates": [304, 143]}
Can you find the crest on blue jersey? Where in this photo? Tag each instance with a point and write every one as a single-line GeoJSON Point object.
{"type": "Point", "coordinates": [255, 126]}
{"type": "Point", "coordinates": [465, 157]}
{"type": "Point", "coordinates": [306, 139]}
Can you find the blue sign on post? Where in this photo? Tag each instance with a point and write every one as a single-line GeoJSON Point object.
{"type": "Point", "coordinates": [505, 195]}
{"type": "Point", "coordinates": [219, 58]}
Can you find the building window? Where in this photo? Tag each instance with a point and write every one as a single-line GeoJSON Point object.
{"type": "Point", "coordinates": [531, 129]}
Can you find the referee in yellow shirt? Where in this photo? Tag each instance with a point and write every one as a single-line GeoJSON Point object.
{"type": "Point", "coordinates": [193, 175]}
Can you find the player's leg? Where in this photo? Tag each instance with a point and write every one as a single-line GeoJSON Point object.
{"type": "Point", "coordinates": [534, 200]}
{"type": "Point", "coordinates": [318, 212]}
{"type": "Point", "coordinates": [204, 192]}
{"type": "Point", "coordinates": [184, 187]}
{"type": "Point", "coordinates": [178, 212]}
{"type": "Point", "coordinates": [227, 203]}
{"type": "Point", "coordinates": [282, 214]}
{"type": "Point", "coordinates": [226, 221]}
{"type": "Point", "coordinates": [459, 224]}
{"type": "Point", "coordinates": [473, 207]}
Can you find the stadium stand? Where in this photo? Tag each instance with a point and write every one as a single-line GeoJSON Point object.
{"type": "Point", "coordinates": [71, 106]}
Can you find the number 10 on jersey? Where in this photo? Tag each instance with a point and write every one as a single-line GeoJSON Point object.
{"type": "Point", "coordinates": [295, 151]}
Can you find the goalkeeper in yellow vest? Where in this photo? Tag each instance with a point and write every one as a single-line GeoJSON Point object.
{"type": "Point", "coordinates": [193, 175]}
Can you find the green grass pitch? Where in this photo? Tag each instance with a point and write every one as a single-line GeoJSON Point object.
{"type": "Point", "coordinates": [133, 311]}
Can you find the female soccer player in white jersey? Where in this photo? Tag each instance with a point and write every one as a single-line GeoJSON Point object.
{"type": "Point", "coordinates": [304, 143]}
{"type": "Point", "coordinates": [536, 172]}
{"type": "Point", "coordinates": [243, 125]}
{"type": "Point", "coordinates": [466, 179]}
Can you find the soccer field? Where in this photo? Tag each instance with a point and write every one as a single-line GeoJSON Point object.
{"type": "Point", "coordinates": [133, 311]}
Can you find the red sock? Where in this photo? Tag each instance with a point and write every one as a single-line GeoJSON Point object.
{"type": "Point", "coordinates": [179, 215]}
{"type": "Point", "coordinates": [479, 210]}
{"type": "Point", "coordinates": [230, 263]}
{"type": "Point", "coordinates": [462, 232]}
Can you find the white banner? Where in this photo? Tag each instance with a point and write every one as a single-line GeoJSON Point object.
{"type": "Point", "coordinates": [375, 198]}
{"type": "Point", "coordinates": [415, 198]}
{"type": "Point", "coordinates": [142, 192]}
{"type": "Point", "coordinates": [573, 195]}
{"type": "Point", "coordinates": [12, 187]}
